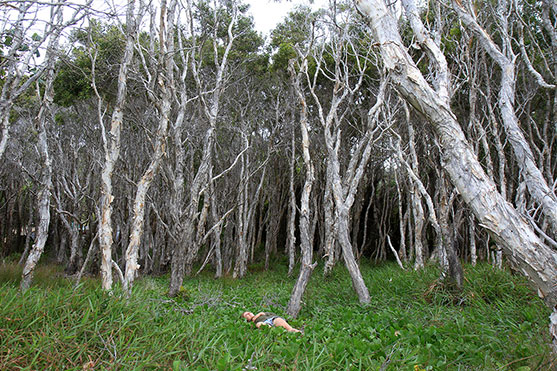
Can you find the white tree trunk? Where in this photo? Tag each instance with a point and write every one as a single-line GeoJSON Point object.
{"type": "Point", "coordinates": [521, 245]}
{"type": "Point", "coordinates": [330, 228]}
{"type": "Point", "coordinates": [183, 257]}
{"type": "Point", "coordinates": [18, 58]}
{"type": "Point", "coordinates": [401, 222]}
{"type": "Point", "coordinates": [472, 239]}
{"type": "Point", "coordinates": [112, 150]}
{"type": "Point", "coordinates": [40, 121]}
{"type": "Point", "coordinates": [291, 243]}
{"type": "Point", "coordinates": [5, 117]}
{"type": "Point", "coordinates": [306, 240]}
{"type": "Point", "coordinates": [535, 181]}
{"type": "Point", "coordinates": [166, 83]}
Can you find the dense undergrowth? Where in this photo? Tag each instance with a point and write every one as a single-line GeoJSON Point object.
{"type": "Point", "coordinates": [497, 323]}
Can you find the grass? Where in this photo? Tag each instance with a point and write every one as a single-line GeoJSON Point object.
{"type": "Point", "coordinates": [413, 323]}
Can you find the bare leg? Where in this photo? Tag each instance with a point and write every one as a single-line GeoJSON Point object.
{"type": "Point", "coordinates": [282, 323]}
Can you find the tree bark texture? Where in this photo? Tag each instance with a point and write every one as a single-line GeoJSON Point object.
{"type": "Point", "coordinates": [166, 83]}
{"type": "Point", "coordinates": [306, 241]}
{"type": "Point", "coordinates": [291, 241]}
{"type": "Point", "coordinates": [535, 181]}
{"type": "Point", "coordinates": [183, 256]}
{"type": "Point", "coordinates": [112, 150]}
{"type": "Point", "coordinates": [521, 245]}
{"type": "Point", "coordinates": [41, 121]}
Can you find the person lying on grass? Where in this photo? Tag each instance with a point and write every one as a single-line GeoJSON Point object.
{"type": "Point", "coordinates": [268, 319]}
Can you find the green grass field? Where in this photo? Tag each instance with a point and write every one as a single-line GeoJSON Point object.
{"type": "Point", "coordinates": [497, 323]}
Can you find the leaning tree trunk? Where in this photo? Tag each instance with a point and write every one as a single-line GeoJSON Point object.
{"type": "Point", "coordinates": [536, 183]}
{"type": "Point", "coordinates": [523, 248]}
{"type": "Point", "coordinates": [344, 189]}
{"type": "Point", "coordinates": [46, 170]}
{"type": "Point", "coordinates": [306, 266]}
{"type": "Point", "coordinates": [44, 195]}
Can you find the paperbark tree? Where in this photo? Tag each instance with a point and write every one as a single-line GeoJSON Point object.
{"type": "Point", "coordinates": [346, 80]}
{"type": "Point", "coordinates": [183, 256]}
{"type": "Point", "coordinates": [306, 245]}
{"type": "Point", "coordinates": [245, 210]}
{"type": "Point", "coordinates": [44, 116]}
{"type": "Point", "coordinates": [523, 248]}
{"type": "Point", "coordinates": [291, 240]}
{"type": "Point", "coordinates": [17, 66]}
{"type": "Point", "coordinates": [329, 225]}
{"type": "Point", "coordinates": [165, 83]}
{"type": "Point", "coordinates": [112, 143]}
{"type": "Point", "coordinates": [416, 199]}
{"type": "Point", "coordinates": [505, 58]}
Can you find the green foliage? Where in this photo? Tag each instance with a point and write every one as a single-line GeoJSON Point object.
{"type": "Point", "coordinates": [73, 81]}
{"type": "Point", "coordinates": [498, 324]}
{"type": "Point", "coordinates": [293, 32]}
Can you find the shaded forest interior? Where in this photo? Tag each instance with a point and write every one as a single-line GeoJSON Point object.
{"type": "Point", "coordinates": [174, 138]}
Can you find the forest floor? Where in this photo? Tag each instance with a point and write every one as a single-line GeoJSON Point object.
{"type": "Point", "coordinates": [413, 323]}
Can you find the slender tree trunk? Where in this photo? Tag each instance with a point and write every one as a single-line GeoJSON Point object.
{"type": "Point", "coordinates": [28, 232]}
{"type": "Point", "coordinates": [87, 259]}
{"type": "Point", "coordinates": [306, 266]}
{"type": "Point", "coordinates": [417, 209]}
{"type": "Point", "coordinates": [246, 211]}
{"type": "Point", "coordinates": [76, 255]}
{"type": "Point", "coordinates": [241, 265]}
{"type": "Point", "coordinates": [5, 117]}
{"type": "Point", "coordinates": [112, 151]}
{"type": "Point", "coordinates": [344, 189]}
{"type": "Point", "coordinates": [182, 261]}
{"type": "Point", "coordinates": [329, 226]}
{"type": "Point", "coordinates": [43, 199]}
{"type": "Point", "coordinates": [272, 226]}
{"type": "Point", "coordinates": [166, 82]}
{"type": "Point", "coordinates": [216, 240]}
{"type": "Point", "coordinates": [291, 243]}
{"type": "Point", "coordinates": [46, 171]}
{"type": "Point", "coordinates": [401, 222]}
{"type": "Point", "coordinates": [18, 59]}
{"type": "Point", "coordinates": [472, 239]}
{"type": "Point", "coordinates": [454, 268]}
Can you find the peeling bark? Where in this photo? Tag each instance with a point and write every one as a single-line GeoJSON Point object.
{"type": "Point", "coordinates": [44, 116]}
{"type": "Point", "coordinates": [524, 249]}
{"type": "Point", "coordinates": [306, 241]}
{"type": "Point", "coordinates": [535, 181]}
{"type": "Point", "coordinates": [112, 149]}
{"type": "Point", "coordinates": [165, 80]}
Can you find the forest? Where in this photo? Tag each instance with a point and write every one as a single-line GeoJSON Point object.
{"type": "Point", "coordinates": [168, 152]}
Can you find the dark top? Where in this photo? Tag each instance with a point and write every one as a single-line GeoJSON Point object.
{"type": "Point", "coordinates": [265, 316]}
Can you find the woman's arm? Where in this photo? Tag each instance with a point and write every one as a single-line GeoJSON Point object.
{"type": "Point", "coordinates": [257, 316]}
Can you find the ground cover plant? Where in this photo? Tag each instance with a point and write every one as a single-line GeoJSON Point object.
{"type": "Point", "coordinates": [413, 323]}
